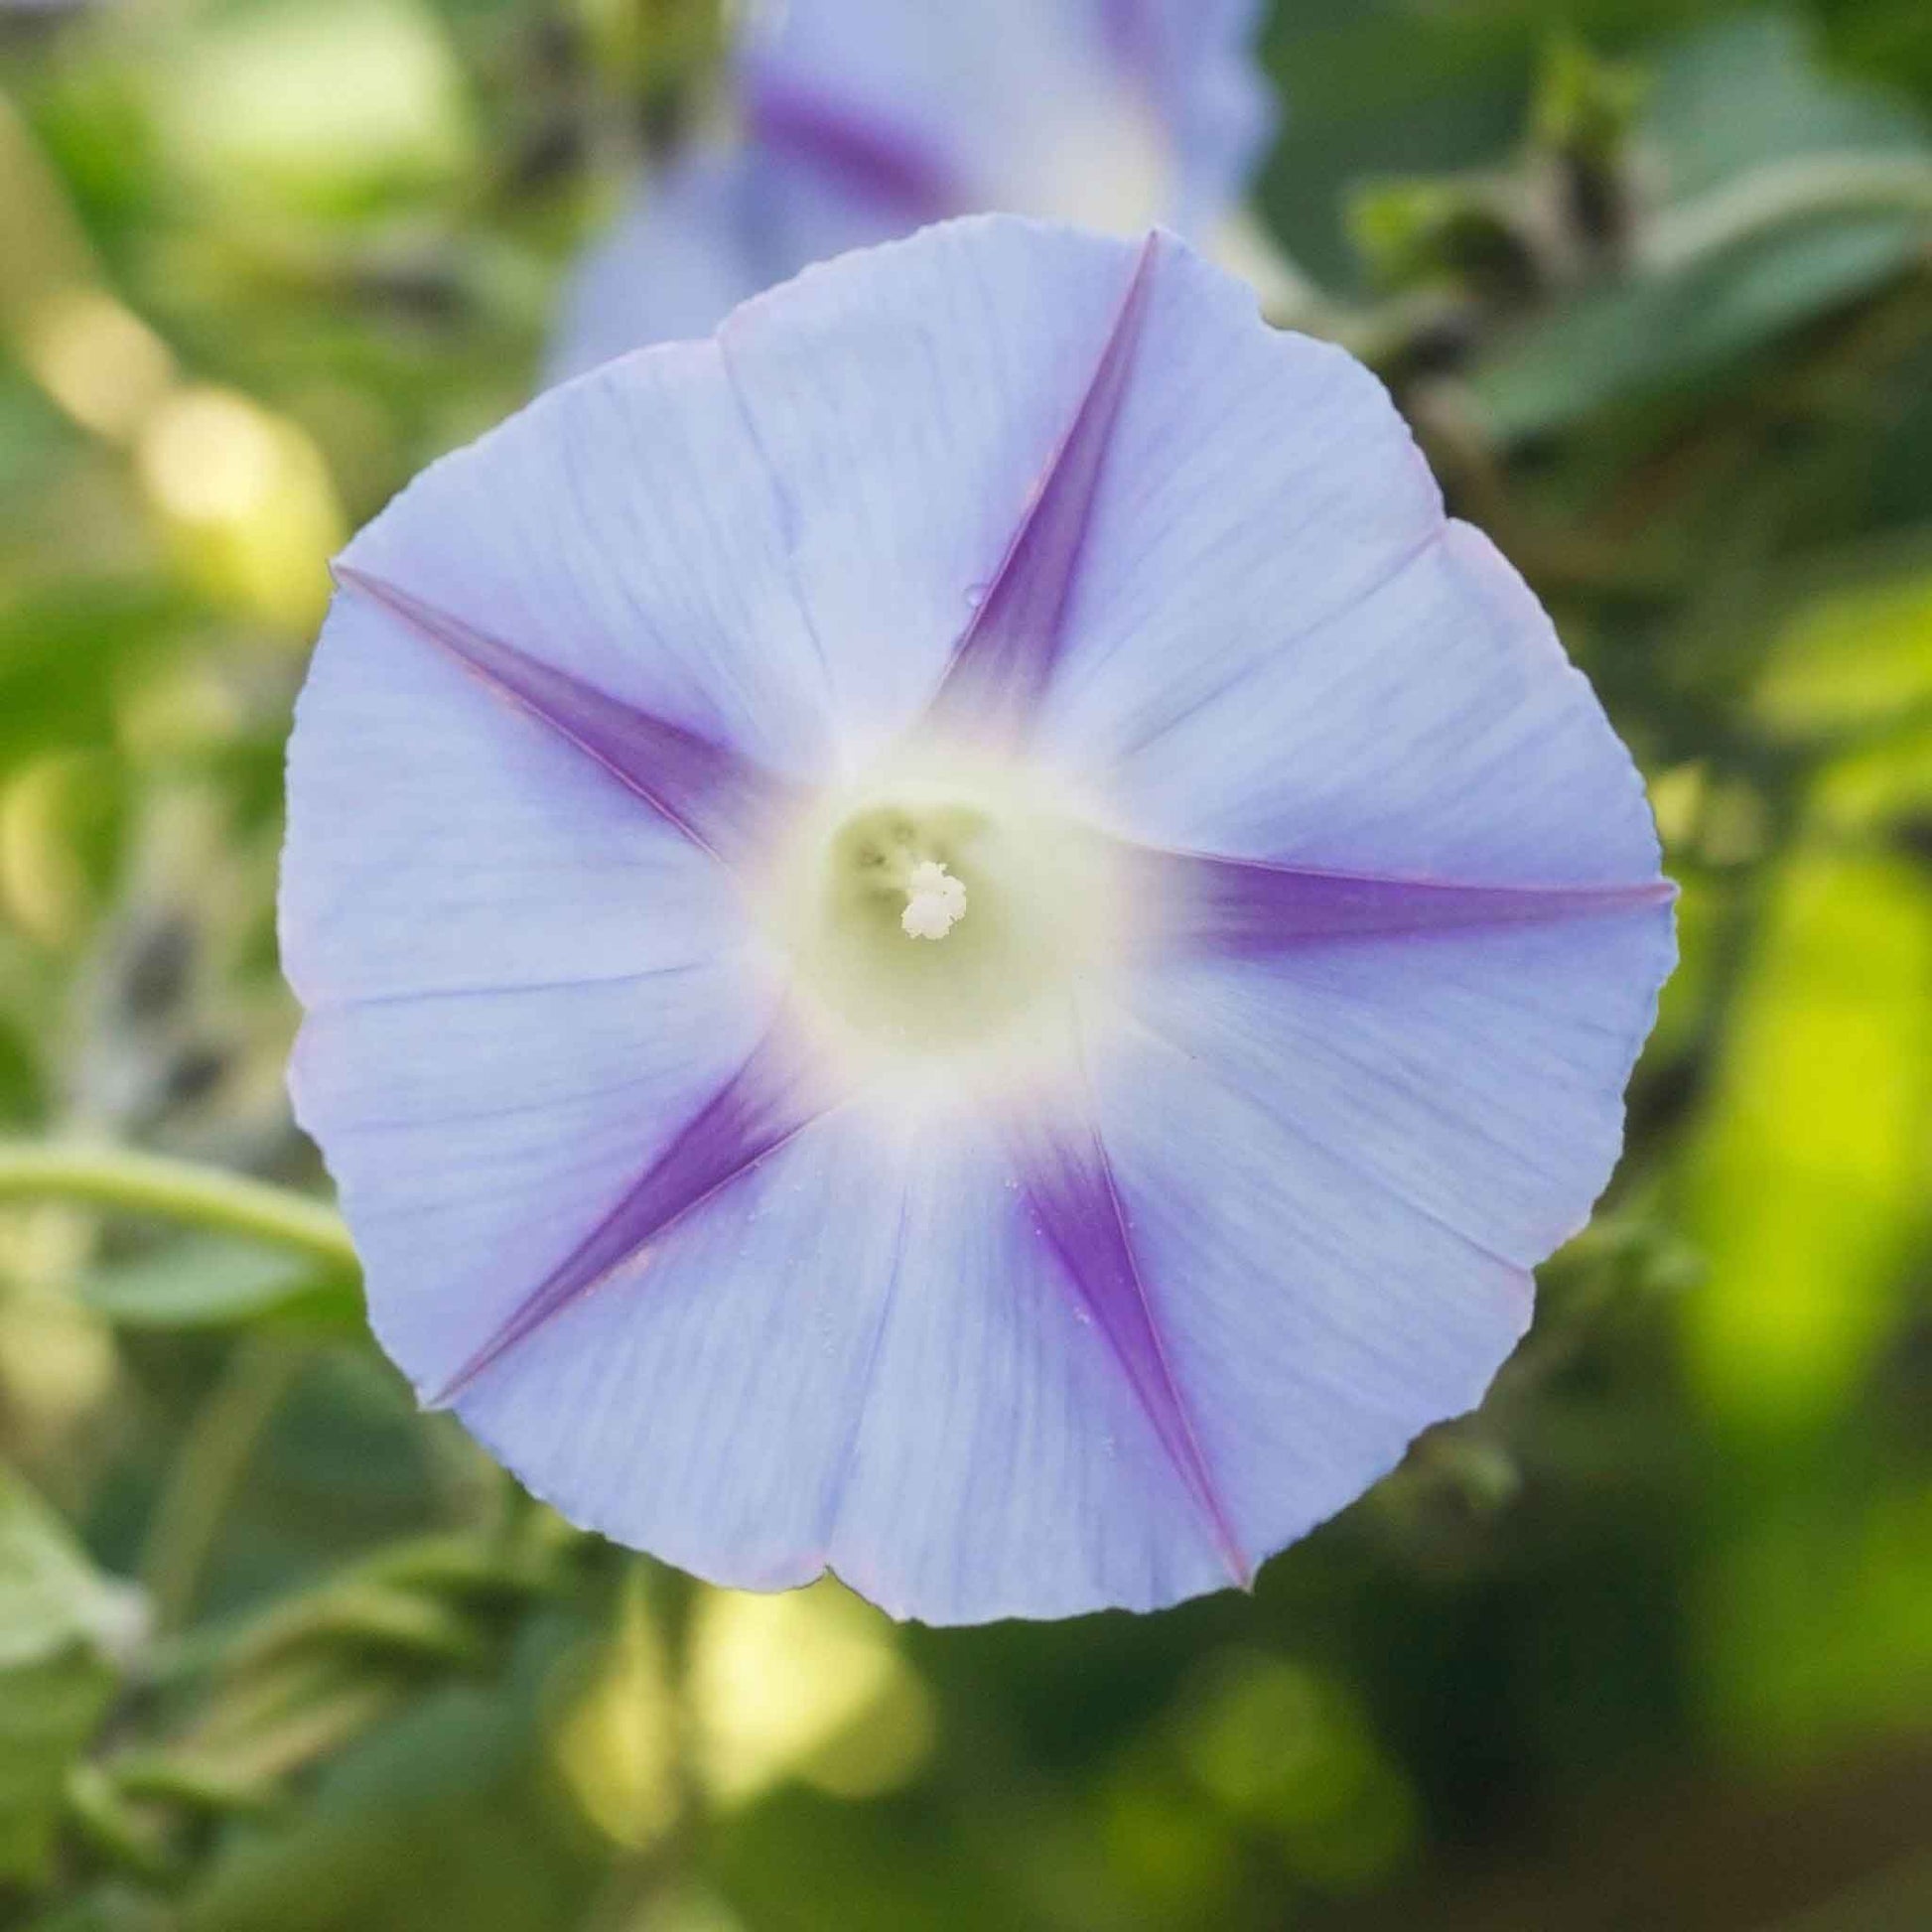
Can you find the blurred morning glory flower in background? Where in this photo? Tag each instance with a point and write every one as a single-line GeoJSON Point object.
{"type": "Point", "coordinates": [955, 934]}
{"type": "Point", "coordinates": [861, 120]}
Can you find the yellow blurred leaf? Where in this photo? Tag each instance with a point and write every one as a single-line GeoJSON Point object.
{"type": "Point", "coordinates": [1810, 1184]}
{"type": "Point", "coordinates": [1855, 658]}
{"type": "Point", "coordinates": [325, 106]}
{"type": "Point", "coordinates": [615, 1744]}
{"type": "Point", "coordinates": [805, 1684]}
{"type": "Point", "coordinates": [246, 501]}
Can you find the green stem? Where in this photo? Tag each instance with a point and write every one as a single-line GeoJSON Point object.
{"type": "Point", "coordinates": [1786, 191]}
{"type": "Point", "coordinates": [177, 1190]}
{"type": "Point", "coordinates": [209, 1470]}
{"type": "Point", "coordinates": [649, 1874]}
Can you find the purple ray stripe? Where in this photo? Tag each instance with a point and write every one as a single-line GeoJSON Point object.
{"type": "Point", "coordinates": [1135, 39]}
{"type": "Point", "coordinates": [1247, 909]}
{"type": "Point", "coordinates": [1069, 1185]}
{"type": "Point", "coordinates": [868, 157]}
{"type": "Point", "coordinates": [719, 799]}
{"type": "Point", "coordinates": [1001, 665]}
{"type": "Point", "coordinates": [773, 1097]}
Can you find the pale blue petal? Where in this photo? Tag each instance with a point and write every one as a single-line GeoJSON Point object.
{"type": "Point", "coordinates": [1313, 1320]}
{"type": "Point", "coordinates": [443, 841]}
{"type": "Point", "coordinates": [915, 398]}
{"type": "Point", "coordinates": [1279, 648]}
{"type": "Point", "coordinates": [1030, 105]}
{"type": "Point", "coordinates": [1477, 1074]}
{"type": "Point", "coordinates": [687, 249]}
{"type": "Point", "coordinates": [1339, 1166]}
{"type": "Point", "coordinates": [862, 1354]}
{"type": "Point", "coordinates": [520, 981]}
{"type": "Point", "coordinates": [1005, 662]}
{"type": "Point", "coordinates": [708, 232]}
{"type": "Point", "coordinates": [624, 530]}
{"type": "Point", "coordinates": [1196, 58]}
{"type": "Point", "coordinates": [476, 1139]}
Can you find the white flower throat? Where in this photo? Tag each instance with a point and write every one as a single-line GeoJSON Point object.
{"type": "Point", "coordinates": [947, 909]}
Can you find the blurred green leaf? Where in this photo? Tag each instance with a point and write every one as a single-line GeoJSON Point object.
{"type": "Point", "coordinates": [443, 1818]}
{"type": "Point", "coordinates": [1809, 1188]}
{"type": "Point", "coordinates": [62, 649]}
{"type": "Point", "coordinates": [61, 1621]}
{"type": "Point", "coordinates": [1740, 99]}
{"type": "Point", "coordinates": [213, 1284]}
{"type": "Point", "coordinates": [1856, 669]}
{"type": "Point", "coordinates": [1816, 1621]}
{"type": "Point", "coordinates": [1377, 89]}
{"type": "Point", "coordinates": [1750, 90]}
{"type": "Point", "coordinates": [51, 1596]}
{"type": "Point", "coordinates": [332, 108]}
{"type": "Point", "coordinates": [1858, 657]}
{"type": "Point", "coordinates": [1634, 339]}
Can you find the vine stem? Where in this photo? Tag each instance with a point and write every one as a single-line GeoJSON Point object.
{"type": "Point", "coordinates": [208, 1473]}
{"type": "Point", "coordinates": [1784, 193]}
{"type": "Point", "coordinates": [177, 1190]}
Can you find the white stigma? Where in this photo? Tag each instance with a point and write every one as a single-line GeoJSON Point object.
{"type": "Point", "coordinates": [935, 901]}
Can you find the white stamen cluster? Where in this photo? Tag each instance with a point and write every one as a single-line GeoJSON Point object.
{"type": "Point", "coordinates": [935, 901]}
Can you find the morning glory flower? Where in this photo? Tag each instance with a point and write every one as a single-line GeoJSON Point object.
{"type": "Point", "coordinates": [865, 119]}
{"type": "Point", "coordinates": [955, 935]}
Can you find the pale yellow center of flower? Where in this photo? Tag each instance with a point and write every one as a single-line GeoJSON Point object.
{"type": "Point", "coordinates": [948, 909]}
{"type": "Point", "coordinates": [935, 901]}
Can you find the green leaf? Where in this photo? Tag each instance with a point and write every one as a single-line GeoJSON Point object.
{"type": "Point", "coordinates": [1381, 89]}
{"type": "Point", "coordinates": [213, 1284]}
{"type": "Point", "coordinates": [1786, 194]}
{"type": "Point", "coordinates": [1854, 670]}
{"type": "Point", "coordinates": [1806, 1193]}
{"type": "Point", "coordinates": [331, 108]}
{"type": "Point", "coordinates": [442, 1818]}
{"type": "Point", "coordinates": [1663, 333]}
{"type": "Point", "coordinates": [60, 1625]}
{"type": "Point", "coordinates": [1749, 91]}
{"type": "Point", "coordinates": [62, 649]}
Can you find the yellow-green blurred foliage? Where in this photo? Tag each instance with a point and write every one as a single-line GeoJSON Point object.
{"type": "Point", "coordinates": [1645, 1643]}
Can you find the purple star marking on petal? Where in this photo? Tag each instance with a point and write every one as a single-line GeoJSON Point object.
{"type": "Point", "coordinates": [1005, 661]}
{"type": "Point", "coordinates": [717, 798]}
{"type": "Point", "coordinates": [773, 1096]}
{"type": "Point", "coordinates": [1070, 1184]}
{"type": "Point", "coordinates": [1240, 908]}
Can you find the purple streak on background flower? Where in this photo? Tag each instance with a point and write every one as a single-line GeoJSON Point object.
{"type": "Point", "coordinates": [1086, 1253]}
{"type": "Point", "coordinates": [865, 119]}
